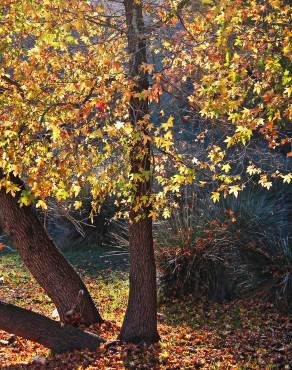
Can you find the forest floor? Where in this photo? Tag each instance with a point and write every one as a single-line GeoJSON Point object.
{"type": "Point", "coordinates": [245, 334]}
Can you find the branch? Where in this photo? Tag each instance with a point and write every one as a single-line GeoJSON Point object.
{"type": "Point", "coordinates": [15, 83]}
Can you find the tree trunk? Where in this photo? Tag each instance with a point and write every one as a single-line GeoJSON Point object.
{"type": "Point", "coordinates": [140, 323]}
{"type": "Point", "coordinates": [49, 333]}
{"type": "Point", "coordinates": [45, 262]}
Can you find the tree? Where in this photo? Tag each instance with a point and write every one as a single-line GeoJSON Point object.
{"type": "Point", "coordinates": [45, 262]}
{"type": "Point", "coordinates": [78, 136]}
{"type": "Point", "coordinates": [49, 333]}
{"type": "Point", "coordinates": [140, 323]}
{"type": "Point", "coordinates": [230, 76]}
{"type": "Point", "coordinates": [25, 146]}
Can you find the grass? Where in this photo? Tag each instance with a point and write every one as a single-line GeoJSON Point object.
{"type": "Point", "coordinates": [104, 271]}
{"type": "Point", "coordinates": [239, 335]}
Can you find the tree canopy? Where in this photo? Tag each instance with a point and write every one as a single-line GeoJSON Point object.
{"type": "Point", "coordinates": [65, 91]}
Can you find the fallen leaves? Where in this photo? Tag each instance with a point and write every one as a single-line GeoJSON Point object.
{"type": "Point", "coordinates": [246, 334]}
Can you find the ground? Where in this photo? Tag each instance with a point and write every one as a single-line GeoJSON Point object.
{"type": "Point", "coordinates": [246, 334]}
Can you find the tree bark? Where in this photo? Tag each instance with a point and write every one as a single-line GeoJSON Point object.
{"type": "Point", "coordinates": [140, 322]}
{"type": "Point", "coordinates": [49, 333]}
{"type": "Point", "coordinates": [45, 262]}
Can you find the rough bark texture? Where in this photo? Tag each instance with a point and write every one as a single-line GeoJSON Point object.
{"type": "Point", "coordinates": [46, 263]}
{"type": "Point", "coordinates": [140, 323]}
{"type": "Point", "coordinates": [40, 329]}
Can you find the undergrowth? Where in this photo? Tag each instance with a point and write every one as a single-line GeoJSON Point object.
{"type": "Point", "coordinates": [235, 248]}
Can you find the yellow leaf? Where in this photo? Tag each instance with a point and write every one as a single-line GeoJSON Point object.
{"type": "Point", "coordinates": [77, 204]}
{"type": "Point", "coordinates": [215, 196]}
{"type": "Point", "coordinates": [234, 190]}
{"type": "Point", "coordinates": [76, 189]}
{"type": "Point", "coordinates": [287, 178]}
{"type": "Point", "coordinates": [226, 167]}
{"type": "Point", "coordinates": [41, 204]}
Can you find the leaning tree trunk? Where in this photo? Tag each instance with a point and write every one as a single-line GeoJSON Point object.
{"type": "Point", "coordinates": [140, 323]}
{"type": "Point", "coordinates": [45, 262]}
{"type": "Point", "coordinates": [49, 333]}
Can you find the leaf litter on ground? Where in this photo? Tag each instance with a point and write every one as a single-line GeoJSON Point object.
{"type": "Point", "coordinates": [243, 334]}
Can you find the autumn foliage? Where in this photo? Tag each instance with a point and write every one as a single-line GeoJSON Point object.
{"type": "Point", "coordinates": [137, 102]}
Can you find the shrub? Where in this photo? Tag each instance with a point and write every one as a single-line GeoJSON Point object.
{"type": "Point", "coordinates": [221, 251]}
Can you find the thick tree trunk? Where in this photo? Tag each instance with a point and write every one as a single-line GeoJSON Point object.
{"type": "Point", "coordinates": [46, 263]}
{"type": "Point", "coordinates": [49, 333]}
{"type": "Point", "coordinates": [140, 323]}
